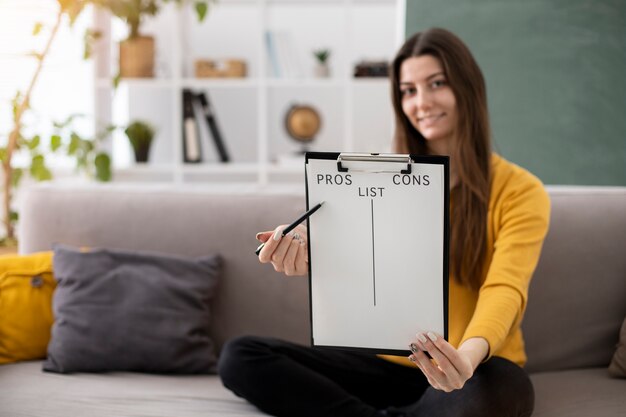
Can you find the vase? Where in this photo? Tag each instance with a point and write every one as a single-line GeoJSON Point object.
{"type": "Point", "coordinates": [322, 70]}
{"type": "Point", "coordinates": [141, 152]}
{"type": "Point", "coordinates": [137, 57]}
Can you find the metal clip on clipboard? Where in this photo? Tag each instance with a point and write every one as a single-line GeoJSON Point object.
{"type": "Point", "coordinates": [374, 157]}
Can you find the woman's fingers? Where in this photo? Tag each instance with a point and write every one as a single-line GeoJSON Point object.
{"type": "Point", "coordinates": [289, 263]}
{"type": "Point", "coordinates": [434, 384]}
{"type": "Point", "coordinates": [433, 373]}
{"type": "Point", "coordinates": [264, 236]}
{"type": "Point", "coordinates": [450, 371]}
{"type": "Point", "coordinates": [444, 363]}
{"type": "Point", "coordinates": [445, 356]}
{"type": "Point", "coordinates": [302, 259]}
{"type": "Point", "coordinates": [279, 255]}
{"type": "Point", "coordinates": [296, 258]}
{"type": "Point", "coordinates": [288, 254]}
{"type": "Point", "coordinates": [455, 358]}
{"type": "Point", "coordinates": [271, 244]}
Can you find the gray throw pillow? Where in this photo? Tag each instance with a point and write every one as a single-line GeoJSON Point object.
{"type": "Point", "coordinates": [118, 310]}
{"type": "Point", "coordinates": [617, 368]}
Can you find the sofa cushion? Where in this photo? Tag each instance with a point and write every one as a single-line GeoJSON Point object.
{"type": "Point", "coordinates": [578, 393]}
{"type": "Point", "coordinates": [618, 363]}
{"type": "Point", "coordinates": [26, 287]}
{"type": "Point", "coordinates": [26, 391]}
{"type": "Point", "coordinates": [131, 311]}
{"type": "Point", "coordinates": [577, 297]}
{"type": "Point", "coordinates": [252, 299]}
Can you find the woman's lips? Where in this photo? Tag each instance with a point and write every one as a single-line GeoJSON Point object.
{"type": "Point", "coordinates": [430, 120]}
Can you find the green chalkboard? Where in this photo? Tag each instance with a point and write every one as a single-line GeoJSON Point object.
{"type": "Point", "coordinates": [556, 80]}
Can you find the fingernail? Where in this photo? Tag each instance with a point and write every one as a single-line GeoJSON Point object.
{"type": "Point", "coordinates": [411, 358]}
{"type": "Point", "coordinates": [432, 336]}
{"type": "Point", "coordinates": [422, 338]}
{"type": "Point", "coordinates": [258, 235]}
{"type": "Point", "coordinates": [413, 348]}
{"type": "Point", "coordinates": [278, 234]}
{"type": "Point", "coordinates": [258, 250]}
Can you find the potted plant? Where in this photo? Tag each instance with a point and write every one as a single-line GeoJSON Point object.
{"type": "Point", "coordinates": [321, 69]}
{"type": "Point", "coordinates": [78, 147]}
{"type": "Point", "coordinates": [136, 52]}
{"type": "Point", "coordinates": [140, 135]}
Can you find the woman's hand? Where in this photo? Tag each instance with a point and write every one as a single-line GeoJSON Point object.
{"type": "Point", "coordinates": [449, 368]}
{"type": "Point", "coordinates": [287, 254]}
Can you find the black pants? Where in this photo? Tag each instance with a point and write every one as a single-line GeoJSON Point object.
{"type": "Point", "coordinates": [287, 380]}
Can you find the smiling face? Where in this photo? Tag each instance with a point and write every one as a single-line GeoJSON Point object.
{"type": "Point", "coordinates": [428, 101]}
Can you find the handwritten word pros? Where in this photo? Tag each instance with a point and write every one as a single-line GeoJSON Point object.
{"type": "Point", "coordinates": [336, 179]}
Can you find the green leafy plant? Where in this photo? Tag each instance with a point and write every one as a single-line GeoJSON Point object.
{"type": "Point", "coordinates": [133, 12]}
{"type": "Point", "coordinates": [140, 135]}
{"type": "Point", "coordinates": [322, 55]}
{"type": "Point", "coordinates": [64, 140]}
{"type": "Point", "coordinates": [68, 10]}
{"type": "Point", "coordinates": [86, 151]}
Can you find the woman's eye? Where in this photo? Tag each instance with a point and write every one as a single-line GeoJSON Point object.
{"type": "Point", "coordinates": [407, 92]}
{"type": "Point", "coordinates": [438, 83]}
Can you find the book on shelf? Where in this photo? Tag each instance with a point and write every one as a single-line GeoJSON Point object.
{"type": "Point", "coordinates": [208, 114]}
{"type": "Point", "coordinates": [199, 120]}
{"type": "Point", "coordinates": [192, 151]}
{"type": "Point", "coordinates": [283, 55]}
{"type": "Point", "coordinates": [272, 53]}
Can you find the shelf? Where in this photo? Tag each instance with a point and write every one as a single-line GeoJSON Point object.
{"type": "Point", "coordinates": [308, 2]}
{"type": "Point", "coordinates": [286, 169]}
{"type": "Point", "coordinates": [250, 111]}
{"type": "Point", "coordinates": [303, 2]}
{"type": "Point", "coordinates": [145, 169]}
{"type": "Point", "coordinates": [221, 168]}
{"type": "Point", "coordinates": [210, 168]}
{"type": "Point", "coordinates": [370, 81]}
{"type": "Point", "coordinates": [144, 173]}
{"type": "Point", "coordinates": [234, 83]}
{"type": "Point", "coordinates": [304, 82]}
{"type": "Point", "coordinates": [105, 83]}
{"type": "Point", "coordinates": [219, 82]}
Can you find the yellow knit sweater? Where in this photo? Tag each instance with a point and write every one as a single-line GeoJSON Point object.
{"type": "Point", "coordinates": [517, 222]}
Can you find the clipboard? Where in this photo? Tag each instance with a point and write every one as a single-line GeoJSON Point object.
{"type": "Point", "coordinates": [378, 249]}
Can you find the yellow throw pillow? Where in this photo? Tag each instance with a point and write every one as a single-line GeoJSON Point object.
{"type": "Point", "coordinates": [26, 287]}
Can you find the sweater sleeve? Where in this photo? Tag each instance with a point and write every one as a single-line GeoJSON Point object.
{"type": "Point", "coordinates": [521, 227]}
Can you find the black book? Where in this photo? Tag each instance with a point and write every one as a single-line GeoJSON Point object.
{"type": "Point", "coordinates": [192, 152]}
{"type": "Point", "coordinates": [209, 115]}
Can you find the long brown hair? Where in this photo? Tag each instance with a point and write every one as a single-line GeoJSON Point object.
{"type": "Point", "coordinates": [472, 150]}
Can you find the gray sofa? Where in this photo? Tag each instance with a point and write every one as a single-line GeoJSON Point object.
{"type": "Point", "coordinates": [577, 301]}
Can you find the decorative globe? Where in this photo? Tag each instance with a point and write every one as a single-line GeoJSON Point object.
{"type": "Point", "coordinates": [302, 123]}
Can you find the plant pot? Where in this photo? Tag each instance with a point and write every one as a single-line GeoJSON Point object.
{"type": "Point", "coordinates": [137, 57]}
{"type": "Point", "coordinates": [321, 70]}
{"type": "Point", "coordinates": [142, 152]}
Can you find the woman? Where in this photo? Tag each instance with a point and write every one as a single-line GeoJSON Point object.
{"type": "Point", "coordinates": [499, 218]}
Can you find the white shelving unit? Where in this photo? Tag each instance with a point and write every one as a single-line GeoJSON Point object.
{"type": "Point", "coordinates": [356, 112]}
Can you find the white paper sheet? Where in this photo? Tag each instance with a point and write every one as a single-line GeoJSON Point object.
{"type": "Point", "coordinates": [377, 253]}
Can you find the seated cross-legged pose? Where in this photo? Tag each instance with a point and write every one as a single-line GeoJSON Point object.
{"type": "Point", "coordinates": [499, 216]}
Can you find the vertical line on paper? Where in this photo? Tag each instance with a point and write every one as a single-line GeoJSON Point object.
{"type": "Point", "coordinates": [373, 254]}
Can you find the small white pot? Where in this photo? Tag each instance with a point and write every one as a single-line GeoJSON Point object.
{"type": "Point", "coordinates": [321, 70]}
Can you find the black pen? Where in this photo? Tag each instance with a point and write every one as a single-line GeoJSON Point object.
{"type": "Point", "coordinates": [293, 225]}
